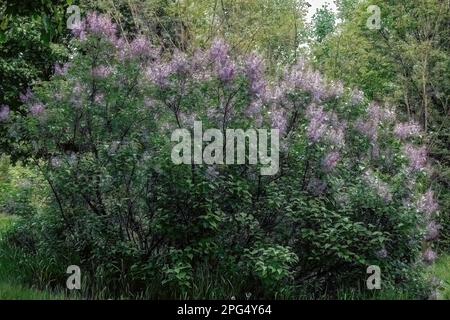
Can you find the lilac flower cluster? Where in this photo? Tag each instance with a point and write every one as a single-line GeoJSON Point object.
{"type": "Point", "coordinates": [37, 109]}
{"type": "Point", "coordinates": [432, 232]}
{"type": "Point", "coordinates": [27, 97]}
{"type": "Point", "coordinates": [317, 122]}
{"type": "Point", "coordinates": [139, 48]}
{"type": "Point", "coordinates": [417, 156]}
{"type": "Point", "coordinates": [95, 24]}
{"type": "Point", "coordinates": [380, 187]}
{"type": "Point", "coordinates": [61, 69]}
{"type": "Point", "coordinates": [429, 256]}
{"type": "Point", "coordinates": [331, 160]}
{"type": "Point", "coordinates": [427, 204]}
{"type": "Point", "coordinates": [101, 72]}
{"type": "Point", "coordinates": [4, 113]}
{"type": "Point", "coordinates": [225, 67]}
{"type": "Point", "coordinates": [279, 120]}
{"type": "Point", "coordinates": [407, 130]}
{"type": "Point", "coordinates": [254, 69]}
{"type": "Point", "coordinates": [357, 97]}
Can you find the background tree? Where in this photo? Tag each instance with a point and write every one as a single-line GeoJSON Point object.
{"type": "Point", "coordinates": [405, 63]}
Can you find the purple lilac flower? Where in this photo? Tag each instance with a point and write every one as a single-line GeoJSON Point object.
{"type": "Point", "coordinates": [219, 52]}
{"type": "Point", "coordinates": [4, 113]}
{"type": "Point", "coordinates": [61, 69]}
{"type": "Point", "coordinates": [317, 187]}
{"type": "Point", "coordinates": [432, 231]}
{"type": "Point", "coordinates": [254, 69]}
{"type": "Point", "coordinates": [254, 108]}
{"type": "Point", "coordinates": [79, 30]}
{"type": "Point", "coordinates": [187, 119]}
{"type": "Point", "coordinates": [99, 98]}
{"type": "Point", "coordinates": [407, 130]}
{"type": "Point", "coordinates": [417, 157]}
{"type": "Point", "coordinates": [179, 63]}
{"type": "Point", "coordinates": [357, 97]}
{"type": "Point", "coordinates": [427, 203]}
{"type": "Point", "coordinates": [27, 97]}
{"type": "Point", "coordinates": [368, 128]}
{"type": "Point", "coordinates": [225, 67]}
{"type": "Point", "coordinates": [100, 25]}
{"type": "Point", "coordinates": [429, 256]}
{"type": "Point", "coordinates": [158, 73]}
{"type": "Point", "coordinates": [141, 47]}
{"type": "Point", "coordinates": [227, 71]}
{"type": "Point", "coordinates": [331, 160]}
{"type": "Point", "coordinates": [279, 121]}
{"type": "Point", "coordinates": [380, 187]}
{"type": "Point", "coordinates": [382, 254]}
{"type": "Point", "coordinates": [37, 109]}
{"type": "Point", "coordinates": [317, 122]}
{"type": "Point", "coordinates": [336, 90]}
{"type": "Point", "coordinates": [101, 72]}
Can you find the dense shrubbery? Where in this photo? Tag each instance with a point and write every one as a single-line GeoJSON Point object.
{"type": "Point", "coordinates": [22, 190]}
{"type": "Point", "coordinates": [352, 189]}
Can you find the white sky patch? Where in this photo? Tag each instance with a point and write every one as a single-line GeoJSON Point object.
{"type": "Point", "coordinates": [316, 4]}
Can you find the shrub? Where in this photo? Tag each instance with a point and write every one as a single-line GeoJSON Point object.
{"type": "Point", "coordinates": [349, 193]}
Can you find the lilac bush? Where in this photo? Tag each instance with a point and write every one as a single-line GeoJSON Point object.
{"type": "Point", "coordinates": [352, 189]}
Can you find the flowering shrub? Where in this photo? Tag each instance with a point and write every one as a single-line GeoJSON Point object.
{"type": "Point", "coordinates": [352, 189]}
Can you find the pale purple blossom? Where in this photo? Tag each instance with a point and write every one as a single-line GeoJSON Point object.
{"type": "Point", "coordinates": [4, 113]}
{"type": "Point", "coordinates": [100, 25]}
{"type": "Point", "coordinates": [331, 160]}
{"type": "Point", "coordinates": [37, 109]}
{"type": "Point", "coordinates": [179, 63]}
{"type": "Point", "coordinates": [99, 98]}
{"type": "Point", "coordinates": [219, 52]}
{"type": "Point", "coordinates": [407, 130]}
{"type": "Point", "coordinates": [417, 156]}
{"type": "Point", "coordinates": [382, 253]}
{"type": "Point", "coordinates": [61, 69]}
{"type": "Point", "coordinates": [26, 97]}
{"type": "Point", "coordinates": [317, 187]}
{"type": "Point", "coordinates": [227, 71]}
{"type": "Point", "coordinates": [141, 47]}
{"type": "Point", "coordinates": [427, 203]}
{"type": "Point", "coordinates": [369, 128]}
{"type": "Point", "coordinates": [429, 256]}
{"type": "Point", "coordinates": [254, 69]}
{"type": "Point", "coordinates": [432, 232]}
{"type": "Point", "coordinates": [336, 89]}
{"type": "Point", "coordinates": [317, 122]}
{"type": "Point", "coordinates": [225, 68]}
{"type": "Point", "coordinates": [254, 108]}
{"type": "Point", "coordinates": [279, 121]}
{"type": "Point", "coordinates": [380, 187]}
{"type": "Point", "coordinates": [357, 97]}
{"type": "Point", "coordinates": [159, 73]}
{"type": "Point", "coordinates": [79, 30]}
{"type": "Point", "coordinates": [101, 72]}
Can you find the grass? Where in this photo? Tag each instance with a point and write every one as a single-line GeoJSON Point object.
{"type": "Point", "coordinates": [441, 270]}
{"type": "Point", "coordinates": [10, 288]}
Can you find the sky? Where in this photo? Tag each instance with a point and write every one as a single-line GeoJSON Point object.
{"type": "Point", "coordinates": [316, 4]}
